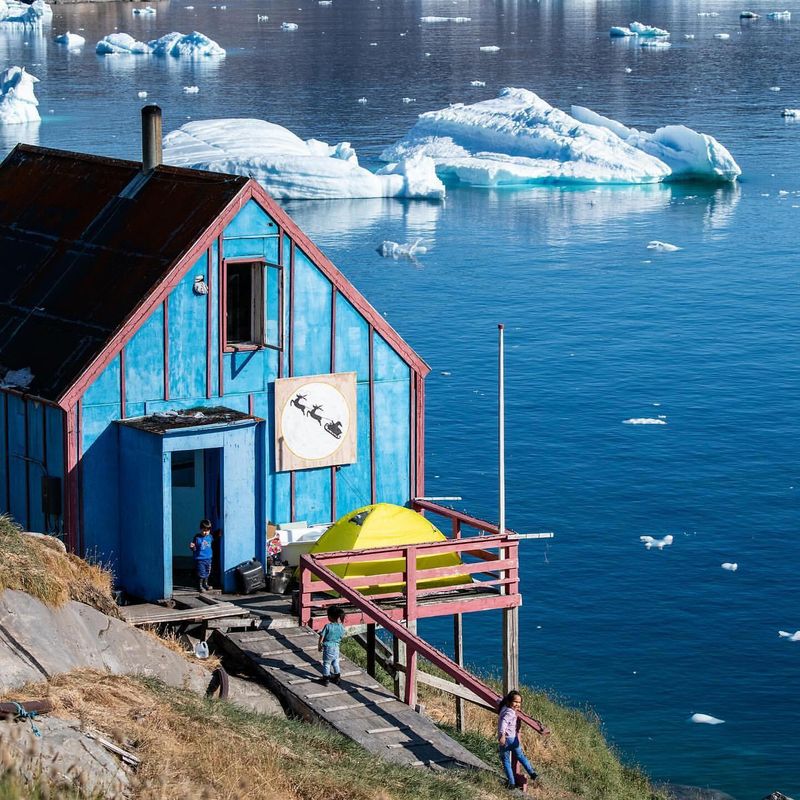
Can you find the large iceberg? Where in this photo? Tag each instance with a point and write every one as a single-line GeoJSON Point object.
{"type": "Point", "coordinates": [190, 45]}
{"type": "Point", "coordinates": [18, 103]}
{"type": "Point", "coordinates": [290, 168]}
{"type": "Point", "coordinates": [518, 138]}
{"type": "Point", "coordinates": [33, 14]}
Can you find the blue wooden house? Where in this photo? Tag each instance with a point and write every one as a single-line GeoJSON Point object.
{"type": "Point", "coordinates": [147, 315]}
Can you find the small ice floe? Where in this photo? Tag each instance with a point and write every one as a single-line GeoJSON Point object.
{"type": "Point", "coordinates": [17, 378]}
{"type": "Point", "coordinates": [445, 373]}
{"type": "Point", "coordinates": [790, 112]}
{"type": "Point", "coordinates": [644, 421]}
{"type": "Point", "coordinates": [263, 17]}
{"type": "Point", "coordinates": [445, 19]}
{"type": "Point", "coordinates": [662, 247]}
{"type": "Point", "coordinates": [650, 541]}
{"type": "Point", "coordinates": [655, 44]}
{"type": "Point", "coordinates": [326, 2]}
{"type": "Point", "coordinates": [779, 15]}
{"type": "Point", "coordinates": [144, 12]}
{"type": "Point", "coordinates": [620, 31]}
{"type": "Point", "coordinates": [189, 8]}
{"type": "Point", "coordinates": [639, 29]}
{"type": "Point", "coordinates": [191, 45]}
{"type": "Point", "coordinates": [24, 15]}
{"type": "Point", "coordinates": [289, 26]}
{"type": "Point", "coordinates": [71, 40]}
{"type": "Point", "coordinates": [373, 44]}
{"type": "Point", "coordinates": [707, 13]}
{"type": "Point", "coordinates": [688, 36]}
{"type": "Point", "coordinates": [141, 95]}
{"type": "Point", "coordinates": [396, 251]}
{"type": "Point", "coordinates": [749, 15]}
{"type": "Point", "coordinates": [477, 83]}
{"type": "Point", "coordinates": [362, 100]}
{"type": "Point", "coordinates": [730, 566]}
{"type": "Point", "coordinates": [18, 103]}
{"type": "Point", "coordinates": [489, 48]}
{"type": "Point", "coordinates": [774, 88]}
{"type": "Point", "coordinates": [722, 36]}
{"type": "Point", "coordinates": [121, 44]}
{"type": "Point", "coordinates": [408, 100]}
{"type": "Point", "coordinates": [792, 637]}
{"type": "Point", "coordinates": [705, 719]}
{"type": "Point", "coordinates": [191, 89]}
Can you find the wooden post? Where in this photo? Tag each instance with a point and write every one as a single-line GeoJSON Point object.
{"type": "Point", "coordinates": [510, 625]}
{"type": "Point", "coordinates": [399, 656]}
{"type": "Point", "coordinates": [410, 693]}
{"type": "Point", "coordinates": [371, 645]}
{"type": "Point", "coordinates": [458, 657]}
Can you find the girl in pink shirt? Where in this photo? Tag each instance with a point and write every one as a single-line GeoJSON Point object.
{"type": "Point", "coordinates": [508, 725]}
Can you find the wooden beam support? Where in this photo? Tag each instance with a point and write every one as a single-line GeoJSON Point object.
{"type": "Point", "coordinates": [458, 657]}
{"type": "Point", "coordinates": [371, 646]}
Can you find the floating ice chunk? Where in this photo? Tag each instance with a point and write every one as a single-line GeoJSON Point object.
{"type": "Point", "coordinates": [792, 637]}
{"type": "Point", "coordinates": [647, 30]}
{"type": "Point", "coordinates": [445, 19]}
{"type": "Point", "coordinates": [707, 13]}
{"type": "Point", "coordinates": [191, 45]}
{"type": "Point", "coordinates": [774, 88]}
{"type": "Point", "coordinates": [688, 36]}
{"type": "Point", "coordinates": [289, 26]}
{"type": "Point", "coordinates": [722, 36]}
{"type": "Point", "coordinates": [655, 44]}
{"type": "Point", "coordinates": [477, 83]}
{"type": "Point", "coordinates": [18, 103]}
{"type": "Point", "coordinates": [731, 567]}
{"type": "Point", "coordinates": [650, 541]}
{"type": "Point", "coordinates": [263, 17]}
{"type": "Point", "coordinates": [779, 15]}
{"type": "Point", "coordinates": [643, 421]}
{"type": "Point", "coordinates": [705, 719]}
{"type": "Point", "coordinates": [662, 247]}
{"type": "Point", "coordinates": [189, 8]}
{"type": "Point", "coordinates": [71, 40]}
{"type": "Point", "coordinates": [620, 31]}
{"type": "Point", "coordinates": [141, 95]}
{"type": "Point", "coordinates": [17, 378]}
{"type": "Point", "coordinates": [408, 100]}
{"type": "Point", "coordinates": [748, 15]}
{"type": "Point", "coordinates": [396, 251]}
{"type": "Point", "coordinates": [628, 70]}
{"type": "Point", "coordinates": [489, 48]}
{"type": "Point", "coordinates": [362, 100]}
{"type": "Point", "coordinates": [326, 2]}
{"type": "Point", "coordinates": [121, 44]}
{"type": "Point", "coordinates": [790, 112]}
{"type": "Point", "coordinates": [519, 139]}
{"type": "Point", "coordinates": [19, 14]}
{"type": "Point", "coordinates": [147, 11]}
{"type": "Point", "coordinates": [191, 89]}
{"type": "Point", "coordinates": [289, 168]}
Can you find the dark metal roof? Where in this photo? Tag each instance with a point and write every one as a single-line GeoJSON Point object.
{"type": "Point", "coordinates": [83, 240]}
{"type": "Point", "coordinates": [166, 421]}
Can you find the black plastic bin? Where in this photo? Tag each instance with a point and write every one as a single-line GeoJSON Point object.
{"type": "Point", "coordinates": [250, 576]}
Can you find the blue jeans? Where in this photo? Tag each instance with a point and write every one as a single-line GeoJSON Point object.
{"type": "Point", "coordinates": [513, 747]}
{"type": "Point", "coordinates": [330, 659]}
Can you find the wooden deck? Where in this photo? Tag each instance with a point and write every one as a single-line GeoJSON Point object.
{"type": "Point", "coordinates": [360, 708]}
{"type": "Point", "coordinates": [189, 608]}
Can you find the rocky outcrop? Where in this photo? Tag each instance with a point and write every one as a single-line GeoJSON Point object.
{"type": "Point", "coordinates": [677, 791]}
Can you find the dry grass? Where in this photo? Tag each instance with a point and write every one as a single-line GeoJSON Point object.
{"type": "Point", "coordinates": [38, 566]}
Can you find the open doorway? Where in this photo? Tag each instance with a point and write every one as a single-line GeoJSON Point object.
{"type": "Point", "coordinates": [196, 495]}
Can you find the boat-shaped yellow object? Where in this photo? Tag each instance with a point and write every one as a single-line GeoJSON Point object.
{"type": "Point", "coordinates": [387, 525]}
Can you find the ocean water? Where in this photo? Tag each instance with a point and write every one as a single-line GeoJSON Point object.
{"type": "Point", "coordinates": [598, 328]}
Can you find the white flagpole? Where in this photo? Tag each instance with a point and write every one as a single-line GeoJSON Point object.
{"type": "Point", "coordinates": [501, 431]}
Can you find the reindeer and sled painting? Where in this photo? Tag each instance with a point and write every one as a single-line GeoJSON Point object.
{"type": "Point", "coordinates": [315, 421]}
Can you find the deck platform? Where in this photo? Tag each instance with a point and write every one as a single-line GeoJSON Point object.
{"type": "Point", "coordinates": [360, 708]}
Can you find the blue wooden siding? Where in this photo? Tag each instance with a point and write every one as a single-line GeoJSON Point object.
{"type": "Point", "coordinates": [144, 365]}
{"type": "Point", "coordinates": [36, 466]}
{"type": "Point", "coordinates": [311, 332]}
{"type": "Point", "coordinates": [187, 336]}
{"type": "Point", "coordinates": [4, 502]}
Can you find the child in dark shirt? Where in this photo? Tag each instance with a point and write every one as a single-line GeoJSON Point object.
{"type": "Point", "coordinates": [201, 546]}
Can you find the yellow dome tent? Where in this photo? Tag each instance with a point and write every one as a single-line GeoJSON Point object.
{"type": "Point", "coordinates": [387, 525]}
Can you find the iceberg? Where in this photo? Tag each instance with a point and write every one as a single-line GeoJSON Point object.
{"type": "Point", "coordinates": [121, 44]}
{"type": "Point", "coordinates": [146, 11]}
{"type": "Point", "coordinates": [519, 139]}
{"type": "Point", "coordinates": [705, 719]}
{"type": "Point", "coordinates": [647, 30]}
{"type": "Point", "coordinates": [14, 12]}
{"type": "Point", "coordinates": [790, 112]}
{"type": "Point", "coordinates": [18, 103]}
{"type": "Point", "coordinates": [411, 250]}
{"type": "Point", "coordinates": [190, 45]}
{"type": "Point", "coordinates": [290, 168]}
{"type": "Point", "coordinates": [289, 26]}
{"type": "Point", "coordinates": [779, 15]}
{"type": "Point", "coordinates": [620, 30]}
{"type": "Point", "coordinates": [722, 36]}
{"type": "Point", "coordinates": [70, 39]}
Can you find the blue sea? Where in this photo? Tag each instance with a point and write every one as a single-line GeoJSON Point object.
{"type": "Point", "coordinates": [598, 328]}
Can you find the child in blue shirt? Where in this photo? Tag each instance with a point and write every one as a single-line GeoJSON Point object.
{"type": "Point", "coordinates": [201, 546]}
{"type": "Point", "coordinates": [329, 639]}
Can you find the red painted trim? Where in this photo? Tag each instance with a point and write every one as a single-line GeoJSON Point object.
{"type": "Point", "coordinates": [166, 347]}
{"type": "Point", "coordinates": [420, 444]}
{"type": "Point", "coordinates": [78, 485]}
{"type": "Point", "coordinates": [281, 325]}
{"type": "Point", "coordinates": [220, 319]}
{"type": "Point", "coordinates": [251, 190]}
{"type": "Point", "coordinates": [27, 466]}
{"type": "Point", "coordinates": [291, 308]}
{"type": "Point", "coordinates": [26, 396]}
{"type": "Point", "coordinates": [122, 383]}
{"type": "Point", "coordinates": [251, 405]}
{"type": "Point", "coordinates": [333, 369]}
{"type": "Point", "coordinates": [464, 519]}
{"type": "Point", "coordinates": [209, 319]}
{"type": "Point", "coordinates": [372, 479]}
{"type": "Point", "coordinates": [412, 436]}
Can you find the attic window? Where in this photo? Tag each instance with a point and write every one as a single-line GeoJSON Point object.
{"type": "Point", "coordinates": [244, 305]}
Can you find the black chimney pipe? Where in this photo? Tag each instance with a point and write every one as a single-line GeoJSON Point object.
{"type": "Point", "coordinates": [151, 137]}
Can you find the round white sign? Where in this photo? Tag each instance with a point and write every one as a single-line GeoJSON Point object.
{"type": "Point", "coordinates": [315, 421]}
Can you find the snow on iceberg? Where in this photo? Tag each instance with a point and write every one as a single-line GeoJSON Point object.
{"type": "Point", "coordinates": [647, 30]}
{"type": "Point", "coordinates": [14, 12]}
{"type": "Point", "coordinates": [121, 44]}
{"type": "Point", "coordinates": [410, 250]}
{"type": "Point", "coordinates": [70, 40]}
{"type": "Point", "coordinates": [290, 168]}
{"type": "Point", "coordinates": [190, 45]}
{"type": "Point", "coordinates": [620, 30]}
{"type": "Point", "coordinates": [18, 103]}
{"type": "Point", "coordinates": [705, 719]}
{"type": "Point", "coordinates": [650, 541]}
{"type": "Point", "coordinates": [144, 12]}
{"type": "Point", "coordinates": [518, 138]}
